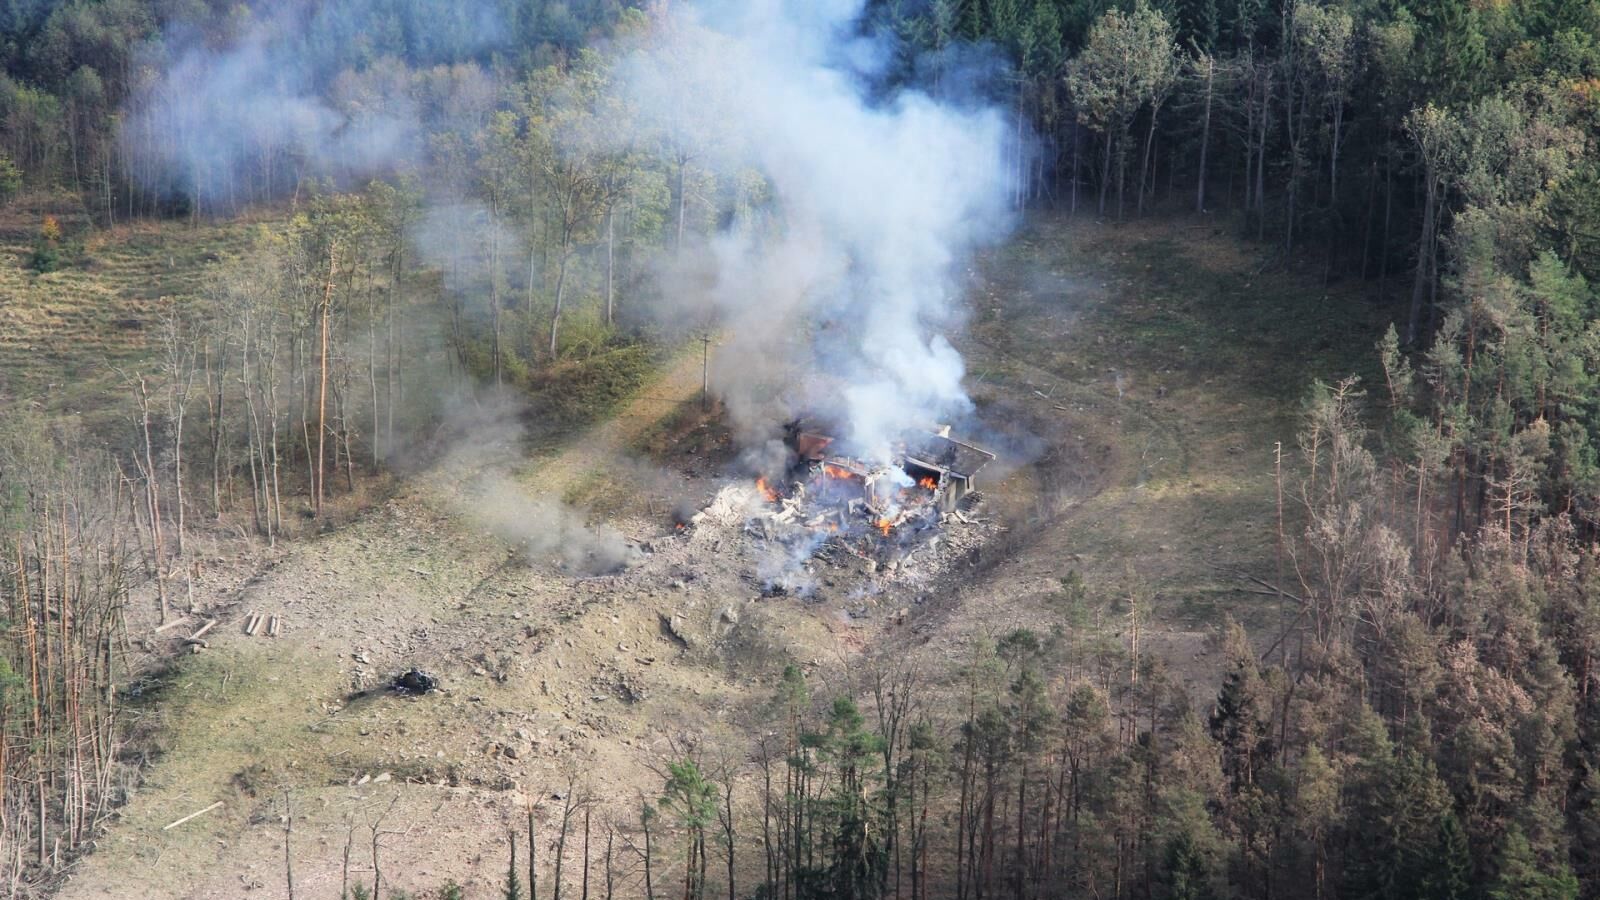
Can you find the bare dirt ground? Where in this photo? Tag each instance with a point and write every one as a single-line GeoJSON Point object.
{"type": "Point", "coordinates": [1121, 373]}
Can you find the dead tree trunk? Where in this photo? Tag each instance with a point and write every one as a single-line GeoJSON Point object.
{"type": "Point", "coordinates": [322, 385]}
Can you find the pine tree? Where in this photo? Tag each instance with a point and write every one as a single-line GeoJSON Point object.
{"type": "Point", "coordinates": [1520, 876]}
{"type": "Point", "coordinates": [1452, 52]}
{"type": "Point", "coordinates": [1450, 877]}
{"type": "Point", "coordinates": [513, 889]}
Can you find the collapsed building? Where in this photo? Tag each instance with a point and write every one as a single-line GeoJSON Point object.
{"type": "Point", "coordinates": [826, 503]}
{"type": "Point", "coordinates": [943, 467]}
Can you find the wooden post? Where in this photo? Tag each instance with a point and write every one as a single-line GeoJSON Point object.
{"type": "Point", "coordinates": [288, 832]}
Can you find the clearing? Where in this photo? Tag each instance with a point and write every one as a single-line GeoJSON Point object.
{"type": "Point", "coordinates": [1136, 379]}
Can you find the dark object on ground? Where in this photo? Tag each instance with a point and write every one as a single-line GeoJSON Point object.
{"type": "Point", "coordinates": [415, 681]}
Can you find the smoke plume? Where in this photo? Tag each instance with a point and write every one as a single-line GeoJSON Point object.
{"type": "Point", "coordinates": [299, 90]}
{"type": "Point", "coordinates": [837, 296]}
{"type": "Point", "coordinates": [846, 201]}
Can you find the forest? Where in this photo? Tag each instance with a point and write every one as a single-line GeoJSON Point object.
{"type": "Point", "coordinates": [439, 197]}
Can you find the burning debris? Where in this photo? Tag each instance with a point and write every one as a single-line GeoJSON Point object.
{"type": "Point", "coordinates": [883, 513]}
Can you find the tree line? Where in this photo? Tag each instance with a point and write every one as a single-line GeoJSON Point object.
{"type": "Point", "coordinates": [1417, 726]}
{"type": "Point", "coordinates": [1441, 152]}
{"type": "Point", "coordinates": [1423, 728]}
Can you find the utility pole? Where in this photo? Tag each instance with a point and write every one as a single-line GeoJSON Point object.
{"type": "Point", "coordinates": [705, 371]}
{"type": "Point", "coordinates": [1283, 612]}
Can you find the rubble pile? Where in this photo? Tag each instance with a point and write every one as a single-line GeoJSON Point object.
{"type": "Point", "coordinates": [876, 518]}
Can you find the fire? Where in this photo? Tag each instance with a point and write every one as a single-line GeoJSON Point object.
{"type": "Point", "coordinates": [883, 525]}
{"type": "Point", "coordinates": [832, 471]}
{"type": "Point", "coordinates": [767, 490]}
{"type": "Point", "coordinates": [929, 484]}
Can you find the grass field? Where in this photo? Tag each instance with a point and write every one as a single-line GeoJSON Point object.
{"type": "Point", "coordinates": [1180, 360]}
{"type": "Point", "coordinates": [64, 334]}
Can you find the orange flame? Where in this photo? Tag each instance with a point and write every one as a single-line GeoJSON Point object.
{"type": "Point", "coordinates": [929, 484]}
{"type": "Point", "coordinates": [832, 471]}
{"type": "Point", "coordinates": [767, 490]}
{"type": "Point", "coordinates": [884, 525]}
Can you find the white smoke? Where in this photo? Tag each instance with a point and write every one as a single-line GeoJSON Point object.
{"type": "Point", "coordinates": [832, 283]}
{"type": "Point", "coordinates": [841, 291]}
{"type": "Point", "coordinates": [295, 95]}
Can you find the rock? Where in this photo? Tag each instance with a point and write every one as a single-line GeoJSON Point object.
{"type": "Point", "coordinates": [675, 629]}
{"type": "Point", "coordinates": [729, 615]}
{"type": "Point", "coordinates": [382, 777]}
{"type": "Point", "coordinates": [509, 752]}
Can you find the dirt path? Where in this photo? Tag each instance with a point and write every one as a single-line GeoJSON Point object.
{"type": "Point", "coordinates": [677, 384]}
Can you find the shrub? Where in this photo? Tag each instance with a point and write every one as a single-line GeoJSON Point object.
{"type": "Point", "coordinates": [10, 179]}
{"type": "Point", "coordinates": [47, 248]}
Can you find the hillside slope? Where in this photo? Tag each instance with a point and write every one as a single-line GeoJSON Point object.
{"type": "Point", "coordinates": [1135, 406]}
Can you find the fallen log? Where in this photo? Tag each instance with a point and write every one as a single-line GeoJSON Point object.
{"type": "Point", "coordinates": [201, 631]}
{"type": "Point", "coordinates": [194, 815]}
{"type": "Point", "coordinates": [173, 624]}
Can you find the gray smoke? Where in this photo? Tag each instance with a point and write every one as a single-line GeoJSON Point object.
{"type": "Point", "coordinates": [481, 441]}
{"type": "Point", "coordinates": [849, 208]}
{"type": "Point", "coordinates": [838, 296]}
{"type": "Point", "coordinates": [543, 530]}
{"type": "Point", "coordinates": [299, 92]}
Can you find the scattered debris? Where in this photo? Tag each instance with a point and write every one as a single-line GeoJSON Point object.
{"type": "Point", "coordinates": [415, 681]}
{"type": "Point", "coordinates": [194, 815]}
{"type": "Point", "coordinates": [910, 516]}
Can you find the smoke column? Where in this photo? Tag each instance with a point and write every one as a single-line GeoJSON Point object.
{"type": "Point", "coordinates": [837, 295]}
{"type": "Point", "coordinates": [851, 205]}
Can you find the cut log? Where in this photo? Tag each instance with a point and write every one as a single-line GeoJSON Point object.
{"type": "Point", "coordinates": [274, 626]}
{"type": "Point", "coordinates": [252, 624]}
{"type": "Point", "coordinates": [201, 631]}
{"type": "Point", "coordinates": [173, 624]}
{"type": "Point", "coordinates": [194, 815]}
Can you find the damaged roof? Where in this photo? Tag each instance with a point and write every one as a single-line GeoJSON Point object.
{"type": "Point", "coordinates": [945, 453]}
